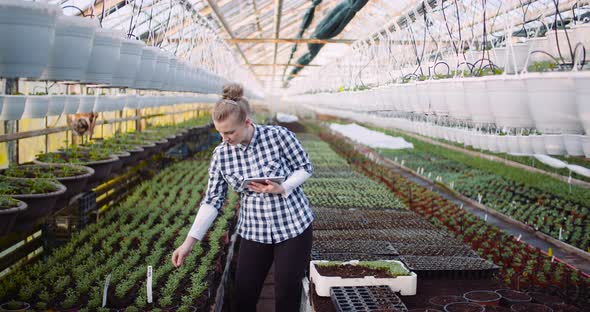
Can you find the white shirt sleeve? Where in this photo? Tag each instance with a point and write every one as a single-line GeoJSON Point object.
{"type": "Point", "coordinates": [205, 217]}
{"type": "Point", "coordinates": [296, 179]}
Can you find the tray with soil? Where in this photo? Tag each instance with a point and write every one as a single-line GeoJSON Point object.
{"type": "Point", "coordinates": [464, 307]}
{"type": "Point", "coordinates": [350, 256]}
{"type": "Point", "coordinates": [39, 194]}
{"type": "Point", "coordinates": [404, 236]}
{"type": "Point", "coordinates": [10, 208]}
{"type": "Point", "coordinates": [510, 297]}
{"type": "Point", "coordinates": [100, 161]}
{"type": "Point", "coordinates": [73, 177]}
{"type": "Point", "coordinates": [366, 298]}
{"type": "Point", "coordinates": [483, 297]}
{"type": "Point", "coordinates": [434, 250]}
{"type": "Point", "coordinates": [326, 274]}
{"type": "Point", "coordinates": [450, 267]}
{"type": "Point", "coordinates": [363, 247]}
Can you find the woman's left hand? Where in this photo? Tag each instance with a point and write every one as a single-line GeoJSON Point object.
{"type": "Point", "coordinates": [269, 187]}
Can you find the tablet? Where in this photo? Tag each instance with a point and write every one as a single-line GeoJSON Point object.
{"type": "Point", "coordinates": [278, 180]}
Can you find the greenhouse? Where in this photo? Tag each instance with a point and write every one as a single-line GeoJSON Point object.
{"type": "Point", "coordinates": [295, 156]}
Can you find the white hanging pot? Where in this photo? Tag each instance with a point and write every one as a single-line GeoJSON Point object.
{"type": "Point", "coordinates": [27, 31]}
{"type": "Point", "coordinates": [87, 104]}
{"type": "Point", "coordinates": [582, 87]}
{"type": "Point", "coordinates": [573, 144]}
{"type": "Point", "coordinates": [502, 142]}
{"type": "Point", "coordinates": [160, 71]}
{"type": "Point", "coordinates": [476, 97]}
{"type": "Point", "coordinates": [510, 102]}
{"type": "Point", "coordinates": [436, 97]}
{"type": "Point", "coordinates": [131, 102]}
{"type": "Point", "coordinates": [493, 143]}
{"type": "Point", "coordinates": [422, 101]}
{"type": "Point", "coordinates": [586, 146]}
{"type": "Point", "coordinates": [538, 144]}
{"type": "Point", "coordinates": [476, 140]}
{"type": "Point", "coordinates": [513, 146]}
{"type": "Point", "coordinates": [13, 107]}
{"type": "Point", "coordinates": [147, 67]}
{"type": "Point", "coordinates": [105, 55]}
{"type": "Point", "coordinates": [558, 42]}
{"type": "Point", "coordinates": [72, 104]}
{"type": "Point", "coordinates": [170, 80]}
{"type": "Point", "coordinates": [552, 102]}
{"type": "Point", "coordinates": [581, 34]}
{"type": "Point", "coordinates": [36, 106]}
{"type": "Point", "coordinates": [526, 145]}
{"type": "Point", "coordinates": [554, 144]}
{"type": "Point", "coordinates": [455, 98]}
{"type": "Point", "coordinates": [538, 44]}
{"type": "Point", "coordinates": [517, 54]}
{"type": "Point", "coordinates": [71, 49]}
{"type": "Point", "coordinates": [118, 102]}
{"type": "Point", "coordinates": [102, 104]}
{"type": "Point", "coordinates": [57, 103]}
{"type": "Point", "coordinates": [128, 65]}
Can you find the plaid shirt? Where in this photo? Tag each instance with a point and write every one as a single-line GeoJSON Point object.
{"type": "Point", "coordinates": [264, 217]}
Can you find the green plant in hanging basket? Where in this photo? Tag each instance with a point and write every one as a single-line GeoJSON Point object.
{"type": "Point", "coordinates": [542, 67]}
{"type": "Point", "coordinates": [10, 186]}
{"type": "Point", "coordinates": [7, 202]}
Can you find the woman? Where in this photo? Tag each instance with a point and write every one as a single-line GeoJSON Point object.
{"type": "Point", "coordinates": [274, 219]}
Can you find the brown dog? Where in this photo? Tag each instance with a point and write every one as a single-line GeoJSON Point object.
{"type": "Point", "coordinates": [82, 123]}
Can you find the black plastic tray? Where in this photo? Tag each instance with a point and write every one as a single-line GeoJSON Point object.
{"type": "Point", "coordinates": [366, 299]}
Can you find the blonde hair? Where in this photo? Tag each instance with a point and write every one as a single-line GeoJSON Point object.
{"type": "Point", "coordinates": [232, 103]}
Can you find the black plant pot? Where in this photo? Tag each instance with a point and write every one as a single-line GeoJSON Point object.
{"type": "Point", "coordinates": [148, 150]}
{"type": "Point", "coordinates": [23, 306]}
{"type": "Point", "coordinates": [102, 168]}
{"type": "Point", "coordinates": [118, 165]}
{"type": "Point", "coordinates": [9, 216]}
{"type": "Point", "coordinates": [39, 204]}
{"type": "Point", "coordinates": [135, 153]}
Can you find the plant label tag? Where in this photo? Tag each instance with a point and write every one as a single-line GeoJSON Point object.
{"type": "Point", "coordinates": [149, 284]}
{"type": "Point", "coordinates": [485, 217]}
{"type": "Point", "coordinates": [560, 233]}
{"type": "Point", "coordinates": [429, 174]}
{"type": "Point", "coordinates": [104, 292]}
{"type": "Point", "coordinates": [519, 237]}
{"type": "Point", "coordinates": [553, 259]}
{"type": "Point", "coordinates": [461, 205]}
{"type": "Point", "coordinates": [479, 198]}
{"type": "Point", "coordinates": [550, 252]}
{"type": "Point", "coordinates": [403, 162]}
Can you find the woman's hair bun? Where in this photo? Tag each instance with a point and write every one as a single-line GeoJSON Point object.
{"type": "Point", "coordinates": [233, 91]}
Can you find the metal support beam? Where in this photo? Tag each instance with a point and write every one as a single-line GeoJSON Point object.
{"type": "Point", "coordinates": [269, 65]}
{"type": "Point", "coordinates": [277, 30]}
{"type": "Point", "coordinates": [11, 126]}
{"type": "Point", "coordinates": [227, 29]}
{"type": "Point", "coordinates": [289, 40]}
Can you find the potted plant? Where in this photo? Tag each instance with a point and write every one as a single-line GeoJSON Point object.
{"type": "Point", "coordinates": [39, 194]}
{"type": "Point", "coordinates": [71, 48]}
{"type": "Point", "coordinates": [10, 208]}
{"type": "Point", "coordinates": [25, 47]}
{"type": "Point", "coordinates": [104, 56]}
{"type": "Point", "coordinates": [14, 306]}
{"type": "Point", "coordinates": [73, 177]}
{"type": "Point", "coordinates": [100, 161]}
{"type": "Point", "coordinates": [12, 107]}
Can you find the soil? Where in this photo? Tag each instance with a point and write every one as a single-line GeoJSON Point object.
{"type": "Point", "coordinates": [544, 298]}
{"type": "Point", "coordinates": [425, 310]}
{"type": "Point", "coordinates": [496, 309]}
{"type": "Point", "coordinates": [563, 307]}
{"type": "Point", "coordinates": [483, 296]}
{"type": "Point", "coordinates": [352, 271]}
{"type": "Point", "coordinates": [530, 307]}
{"type": "Point", "coordinates": [464, 307]}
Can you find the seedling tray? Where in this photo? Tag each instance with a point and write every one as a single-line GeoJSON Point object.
{"type": "Point", "coordinates": [404, 284]}
{"type": "Point", "coordinates": [366, 299]}
{"type": "Point", "coordinates": [363, 247]}
{"type": "Point", "coordinates": [434, 250]}
{"type": "Point", "coordinates": [450, 267]}
{"type": "Point", "coordinates": [350, 256]}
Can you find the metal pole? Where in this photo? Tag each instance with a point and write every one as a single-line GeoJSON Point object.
{"type": "Point", "coordinates": [11, 126]}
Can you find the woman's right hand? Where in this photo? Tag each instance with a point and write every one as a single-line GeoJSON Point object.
{"type": "Point", "coordinates": [182, 252]}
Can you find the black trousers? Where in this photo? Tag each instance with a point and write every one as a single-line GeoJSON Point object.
{"type": "Point", "coordinates": [291, 258]}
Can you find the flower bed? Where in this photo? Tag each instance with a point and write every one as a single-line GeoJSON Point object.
{"type": "Point", "coordinates": [141, 231]}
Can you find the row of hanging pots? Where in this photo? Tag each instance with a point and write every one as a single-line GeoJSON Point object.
{"type": "Point", "coordinates": [15, 107]}
{"type": "Point", "coordinates": [38, 42]}
{"type": "Point", "coordinates": [549, 102]}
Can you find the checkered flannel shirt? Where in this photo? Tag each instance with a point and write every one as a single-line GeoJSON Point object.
{"type": "Point", "coordinates": [264, 217]}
